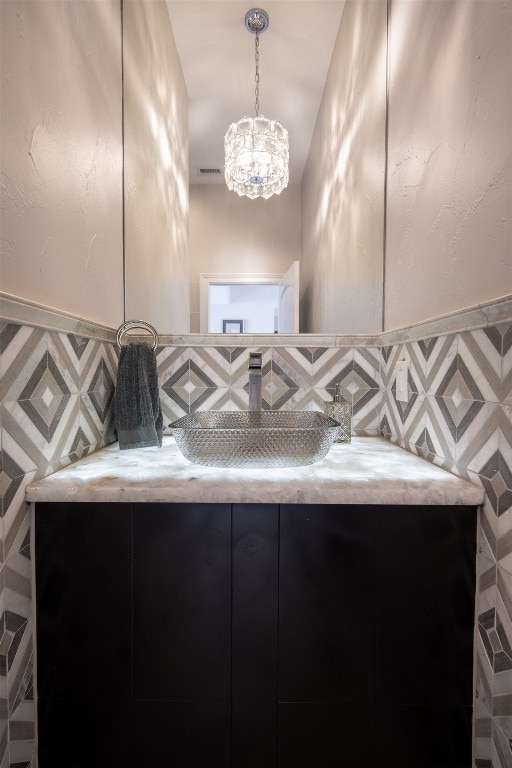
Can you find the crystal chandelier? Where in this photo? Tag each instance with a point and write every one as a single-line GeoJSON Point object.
{"type": "Point", "coordinates": [256, 148]}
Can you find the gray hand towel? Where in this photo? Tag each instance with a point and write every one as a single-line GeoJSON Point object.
{"type": "Point", "coordinates": [137, 409]}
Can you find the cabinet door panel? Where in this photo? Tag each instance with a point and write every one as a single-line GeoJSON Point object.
{"type": "Point", "coordinates": [182, 734]}
{"type": "Point", "coordinates": [327, 582]}
{"type": "Point", "coordinates": [254, 727]}
{"type": "Point", "coordinates": [84, 733]}
{"type": "Point", "coordinates": [255, 601]}
{"type": "Point", "coordinates": [83, 581]}
{"type": "Point", "coordinates": [326, 735]}
{"type": "Point", "coordinates": [182, 601]}
{"type": "Point", "coordinates": [426, 605]}
{"type": "Point", "coordinates": [424, 737]}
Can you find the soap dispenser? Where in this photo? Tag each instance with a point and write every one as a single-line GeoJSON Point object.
{"type": "Point", "coordinates": [340, 411]}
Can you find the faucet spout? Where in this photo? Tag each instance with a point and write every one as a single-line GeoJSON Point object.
{"type": "Point", "coordinates": [255, 381]}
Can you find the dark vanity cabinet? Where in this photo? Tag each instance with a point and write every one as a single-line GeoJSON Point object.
{"type": "Point", "coordinates": [254, 636]}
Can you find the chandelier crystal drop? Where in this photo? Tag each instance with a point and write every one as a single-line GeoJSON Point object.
{"type": "Point", "coordinates": [256, 148]}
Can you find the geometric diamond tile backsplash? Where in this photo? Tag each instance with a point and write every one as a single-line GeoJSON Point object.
{"type": "Point", "coordinates": [465, 424]}
{"type": "Point", "coordinates": [57, 405]}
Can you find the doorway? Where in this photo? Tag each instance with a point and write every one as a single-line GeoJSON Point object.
{"type": "Point", "coordinates": [249, 303]}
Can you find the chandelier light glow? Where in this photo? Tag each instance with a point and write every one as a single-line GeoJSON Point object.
{"type": "Point", "coordinates": [256, 148]}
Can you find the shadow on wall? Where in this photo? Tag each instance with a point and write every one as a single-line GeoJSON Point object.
{"type": "Point", "coordinates": [156, 170]}
{"type": "Point", "coordinates": [343, 185]}
{"type": "Point", "coordinates": [449, 227]}
{"type": "Point", "coordinates": [62, 156]}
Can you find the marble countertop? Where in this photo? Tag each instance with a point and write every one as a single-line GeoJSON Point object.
{"type": "Point", "coordinates": [370, 470]}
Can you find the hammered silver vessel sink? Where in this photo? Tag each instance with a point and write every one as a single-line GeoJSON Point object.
{"type": "Point", "coordinates": [255, 439]}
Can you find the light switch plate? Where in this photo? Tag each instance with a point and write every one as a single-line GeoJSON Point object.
{"type": "Point", "coordinates": [402, 388]}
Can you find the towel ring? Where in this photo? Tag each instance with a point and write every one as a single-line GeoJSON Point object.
{"type": "Point", "coordinates": [136, 324]}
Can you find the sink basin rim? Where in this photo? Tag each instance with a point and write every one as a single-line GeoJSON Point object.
{"type": "Point", "coordinates": [255, 439]}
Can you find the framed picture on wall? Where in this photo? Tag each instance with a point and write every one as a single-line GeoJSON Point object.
{"type": "Point", "coordinates": [232, 326]}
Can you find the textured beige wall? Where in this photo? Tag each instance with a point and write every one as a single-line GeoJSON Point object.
{"type": "Point", "coordinates": [61, 156]}
{"type": "Point", "coordinates": [156, 170]}
{"type": "Point", "coordinates": [231, 234]}
{"type": "Point", "coordinates": [343, 183]}
{"type": "Point", "coordinates": [449, 236]}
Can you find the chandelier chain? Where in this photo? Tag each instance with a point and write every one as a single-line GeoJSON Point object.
{"type": "Point", "coordinates": [256, 148]}
{"type": "Point", "coordinates": [257, 74]}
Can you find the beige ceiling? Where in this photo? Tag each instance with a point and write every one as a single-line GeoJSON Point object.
{"type": "Point", "coordinates": [217, 56]}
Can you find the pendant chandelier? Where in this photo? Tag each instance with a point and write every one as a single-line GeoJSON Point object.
{"type": "Point", "coordinates": [256, 148]}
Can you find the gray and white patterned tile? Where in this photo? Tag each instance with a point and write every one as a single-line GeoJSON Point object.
{"type": "Point", "coordinates": [504, 607]}
{"type": "Point", "coordinates": [44, 424]}
{"type": "Point", "coordinates": [440, 436]}
{"type": "Point", "coordinates": [486, 584]}
{"type": "Point", "coordinates": [366, 407]}
{"type": "Point", "coordinates": [479, 356]}
{"type": "Point", "coordinates": [232, 360]}
{"type": "Point", "coordinates": [413, 354]}
{"type": "Point", "coordinates": [110, 360]}
{"type": "Point", "coordinates": [172, 363]}
{"type": "Point", "coordinates": [18, 601]}
{"type": "Point", "coordinates": [294, 365]}
{"type": "Point", "coordinates": [355, 383]}
{"type": "Point", "coordinates": [506, 364]}
{"type": "Point", "coordinates": [237, 375]}
{"type": "Point", "coordinates": [366, 423]}
{"type": "Point", "coordinates": [389, 358]}
{"type": "Point", "coordinates": [415, 376]}
{"type": "Point", "coordinates": [23, 352]}
{"type": "Point", "coordinates": [368, 360]}
{"type": "Point", "coordinates": [502, 693]}
{"type": "Point", "coordinates": [21, 692]}
{"type": "Point", "coordinates": [484, 659]}
{"type": "Point", "coordinates": [361, 375]}
{"type": "Point", "coordinates": [487, 520]}
{"type": "Point", "coordinates": [176, 386]}
{"type": "Point", "coordinates": [482, 719]}
{"type": "Point", "coordinates": [22, 705]}
{"type": "Point", "coordinates": [505, 457]}
{"type": "Point", "coordinates": [11, 477]}
{"type": "Point", "coordinates": [390, 426]}
{"type": "Point", "coordinates": [497, 479]}
{"type": "Point", "coordinates": [212, 399]}
{"type": "Point", "coordinates": [101, 385]}
{"type": "Point", "coordinates": [457, 383]}
{"type": "Point", "coordinates": [235, 399]}
{"type": "Point", "coordinates": [25, 433]}
{"type": "Point", "coordinates": [501, 748]}
{"type": "Point", "coordinates": [18, 558]}
{"type": "Point", "coordinates": [409, 417]}
{"type": "Point", "coordinates": [16, 517]}
{"type": "Point", "coordinates": [171, 411]}
{"type": "Point", "coordinates": [67, 431]}
{"type": "Point", "coordinates": [94, 432]}
{"type": "Point", "coordinates": [67, 352]}
{"type": "Point", "coordinates": [439, 353]}
{"type": "Point", "coordinates": [479, 440]}
{"type": "Point", "coordinates": [214, 366]}
{"type": "Point", "coordinates": [504, 540]}
{"type": "Point", "coordinates": [4, 647]}
{"type": "Point", "coordinates": [97, 406]}
{"type": "Point", "coordinates": [329, 365]}
{"type": "Point", "coordinates": [482, 738]}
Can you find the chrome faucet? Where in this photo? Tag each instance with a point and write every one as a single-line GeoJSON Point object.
{"type": "Point", "coordinates": [254, 381]}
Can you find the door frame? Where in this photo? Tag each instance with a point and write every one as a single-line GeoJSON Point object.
{"type": "Point", "coordinates": [215, 278]}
